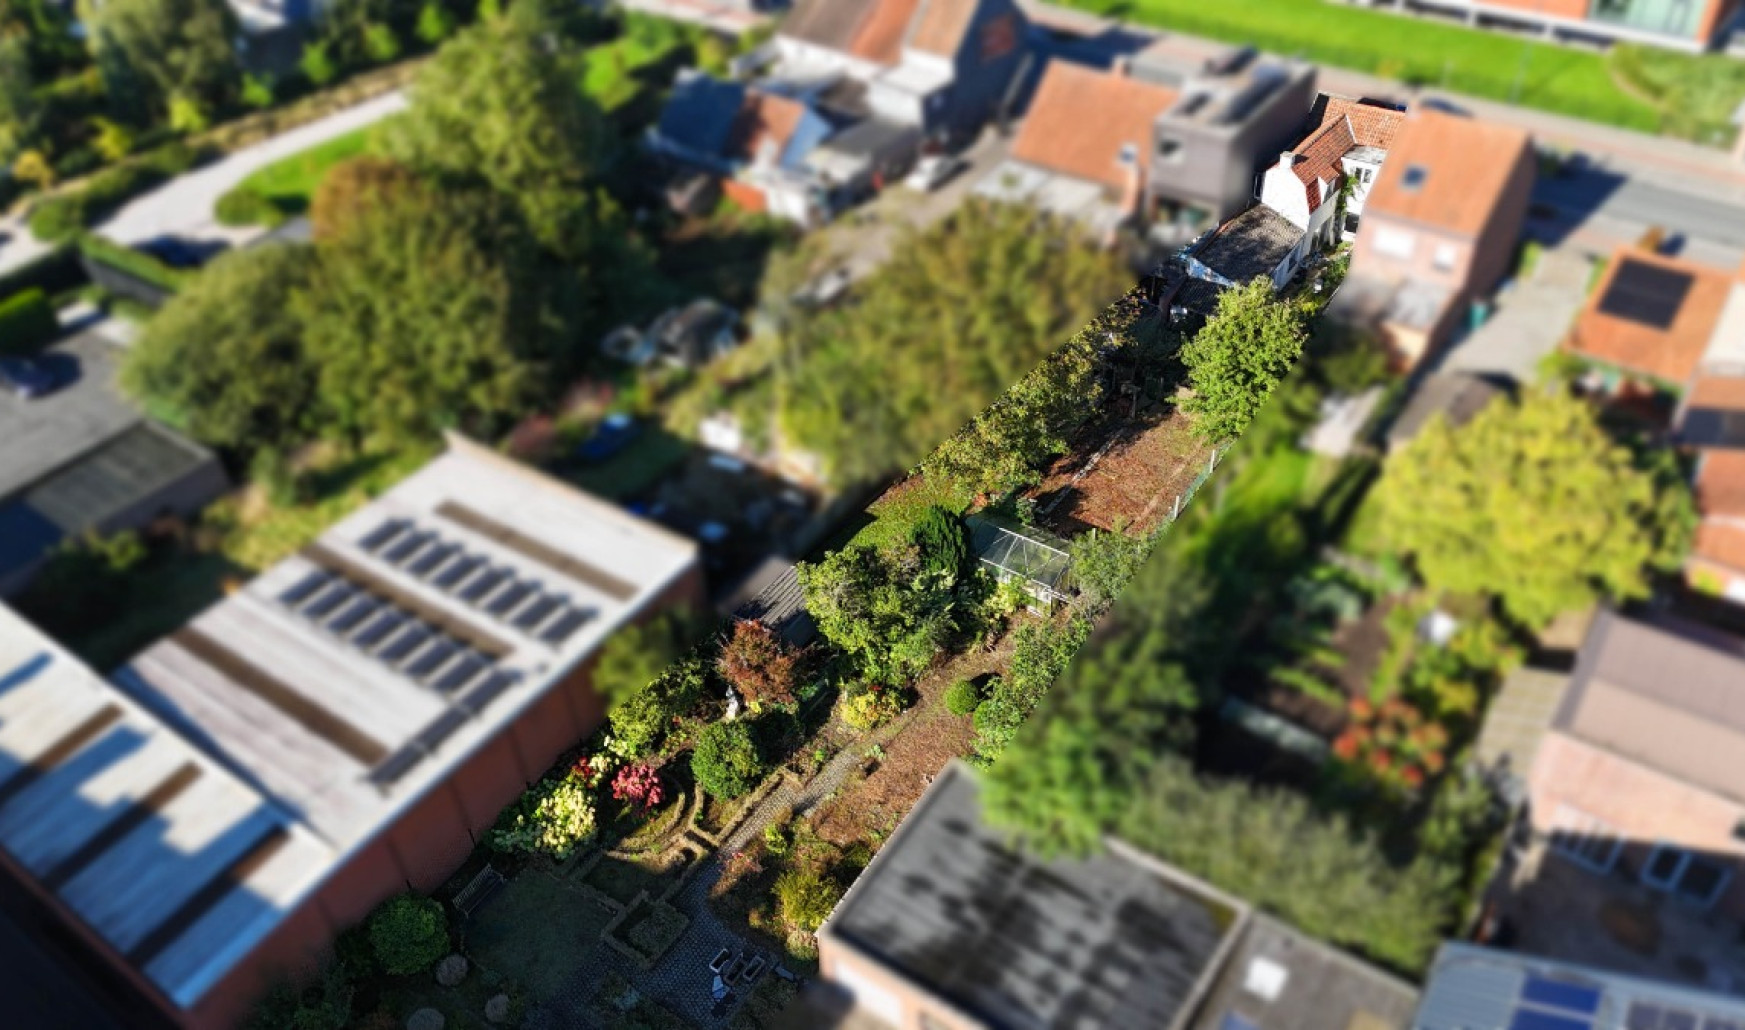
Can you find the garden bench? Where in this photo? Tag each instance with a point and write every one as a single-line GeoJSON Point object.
{"type": "Point", "coordinates": [477, 890]}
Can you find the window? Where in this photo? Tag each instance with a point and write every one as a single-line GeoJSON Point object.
{"type": "Point", "coordinates": [1678, 872]}
{"type": "Point", "coordinates": [1584, 839]}
{"type": "Point", "coordinates": [1446, 254]}
{"type": "Point", "coordinates": [1413, 180]}
{"type": "Point", "coordinates": [1395, 243]}
{"type": "Point", "coordinates": [1170, 151]}
{"type": "Point", "coordinates": [1129, 156]}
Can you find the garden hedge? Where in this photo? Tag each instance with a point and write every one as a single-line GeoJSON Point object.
{"type": "Point", "coordinates": [27, 321]}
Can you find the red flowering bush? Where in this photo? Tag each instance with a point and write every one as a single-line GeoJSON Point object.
{"type": "Point", "coordinates": [639, 785]}
{"type": "Point", "coordinates": [764, 670]}
{"type": "Point", "coordinates": [589, 770]}
{"type": "Point", "coordinates": [1393, 742]}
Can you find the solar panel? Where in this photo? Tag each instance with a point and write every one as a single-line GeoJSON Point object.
{"type": "Point", "coordinates": [1572, 997]}
{"type": "Point", "coordinates": [329, 599]}
{"type": "Point", "coordinates": [462, 670]}
{"type": "Point", "coordinates": [353, 614]}
{"type": "Point", "coordinates": [377, 538]}
{"type": "Point", "coordinates": [509, 597]}
{"type": "Point", "coordinates": [1537, 1019]}
{"type": "Point", "coordinates": [537, 612]}
{"type": "Point", "coordinates": [304, 588]}
{"type": "Point", "coordinates": [1677, 1019]}
{"type": "Point", "coordinates": [378, 630]}
{"type": "Point", "coordinates": [457, 571]}
{"type": "Point", "coordinates": [493, 687]}
{"type": "Point", "coordinates": [565, 625]}
{"type": "Point", "coordinates": [404, 549]}
{"type": "Point", "coordinates": [410, 639]}
{"type": "Point", "coordinates": [481, 586]}
{"type": "Point", "coordinates": [1646, 294]}
{"type": "Point", "coordinates": [432, 658]}
{"type": "Point", "coordinates": [432, 559]}
{"type": "Point", "coordinates": [1642, 1017]}
{"type": "Point", "coordinates": [1719, 1024]}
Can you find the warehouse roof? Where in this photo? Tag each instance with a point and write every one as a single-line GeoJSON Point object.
{"type": "Point", "coordinates": [346, 678]}
{"type": "Point", "coordinates": [177, 864]}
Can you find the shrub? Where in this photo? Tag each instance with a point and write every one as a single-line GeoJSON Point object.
{"type": "Point", "coordinates": [58, 218]}
{"type": "Point", "coordinates": [380, 43]}
{"type": "Point", "coordinates": [257, 92]}
{"type": "Point", "coordinates": [246, 206]}
{"type": "Point", "coordinates": [553, 818]}
{"type": "Point", "coordinates": [806, 898]}
{"type": "Point", "coordinates": [725, 761]}
{"type": "Point", "coordinates": [938, 536]}
{"type": "Point", "coordinates": [408, 934]}
{"type": "Point", "coordinates": [640, 722]}
{"type": "Point", "coordinates": [317, 65]}
{"type": "Point", "coordinates": [434, 23]}
{"type": "Point", "coordinates": [961, 698]}
{"type": "Point", "coordinates": [640, 785]}
{"type": "Point", "coordinates": [759, 665]}
{"type": "Point", "coordinates": [872, 707]}
{"type": "Point", "coordinates": [132, 261]}
{"type": "Point", "coordinates": [27, 321]}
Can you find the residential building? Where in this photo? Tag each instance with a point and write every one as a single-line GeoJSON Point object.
{"type": "Point", "coordinates": [944, 66]}
{"type": "Point", "coordinates": [1160, 139]}
{"type": "Point", "coordinates": [753, 141]}
{"type": "Point", "coordinates": [1440, 226]}
{"type": "Point", "coordinates": [82, 458]}
{"type": "Point", "coordinates": [1674, 24]}
{"type": "Point", "coordinates": [1322, 182]}
{"type": "Point", "coordinates": [1638, 777]}
{"type": "Point", "coordinates": [340, 729]}
{"type": "Point", "coordinates": [1259, 243]}
{"type": "Point", "coordinates": [951, 926]}
{"type": "Point", "coordinates": [1478, 988]}
{"type": "Point", "coordinates": [1454, 397]}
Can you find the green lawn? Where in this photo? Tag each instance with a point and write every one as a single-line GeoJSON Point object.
{"type": "Point", "coordinates": [1483, 64]}
{"type": "Point", "coordinates": [291, 181]}
{"type": "Point", "coordinates": [609, 73]}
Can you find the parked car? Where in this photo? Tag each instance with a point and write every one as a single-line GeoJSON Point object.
{"type": "Point", "coordinates": [933, 171]}
{"type": "Point", "coordinates": [612, 435]}
{"type": "Point", "coordinates": [26, 378]}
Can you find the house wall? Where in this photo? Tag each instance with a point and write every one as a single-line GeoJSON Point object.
{"type": "Point", "coordinates": [1494, 251]}
{"type": "Point", "coordinates": [993, 51]}
{"type": "Point", "coordinates": [1218, 163]}
{"type": "Point", "coordinates": [880, 993]}
{"type": "Point", "coordinates": [1281, 190]}
{"type": "Point", "coordinates": [1642, 805]}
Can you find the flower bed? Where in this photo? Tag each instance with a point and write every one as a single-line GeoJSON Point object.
{"type": "Point", "coordinates": [646, 930]}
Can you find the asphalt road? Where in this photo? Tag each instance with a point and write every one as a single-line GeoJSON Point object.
{"type": "Point", "coordinates": [1600, 194]}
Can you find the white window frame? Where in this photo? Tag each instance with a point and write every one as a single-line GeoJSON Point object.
{"type": "Point", "coordinates": [1570, 821]}
{"type": "Point", "coordinates": [1669, 885]}
{"type": "Point", "coordinates": [1446, 256]}
{"type": "Point", "coordinates": [1395, 243]}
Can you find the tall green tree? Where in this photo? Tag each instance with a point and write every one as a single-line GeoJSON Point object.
{"type": "Point", "coordinates": [499, 105]}
{"type": "Point", "coordinates": [182, 51]}
{"type": "Point", "coordinates": [960, 312]}
{"type": "Point", "coordinates": [1534, 503]}
{"type": "Point", "coordinates": [429, 310]}
{"type": "Point", "coordinates": [19, 110]}
{"type": "Point", "coordinates": [227, 355]}
{"type": "Point", "coordinates": [1238, 357]}
{"type": "Point", "coordinates": [878, 609]}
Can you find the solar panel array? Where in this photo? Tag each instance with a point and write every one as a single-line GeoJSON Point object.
{"type": "Point", "coordinates": [1647, 1016]}
{"type": "Point", "coordinates": [1646, 294]}
{"type": "Point", "coordinates": [498, 590]}
{"type": "Point", "coordinates": [1547, 1004]}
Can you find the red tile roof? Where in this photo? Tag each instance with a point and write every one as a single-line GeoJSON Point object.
{"type": "Point", "coordinates": [941, 27]}
{"type": "Point", "coordinates": [1671, 354]}
{"type": "Point", "coordinates": [1466, 165]}
{"type": "Point", "coordinates": [1717, 392]}
{"type": "Point", "coordinates": [1319, 158]}
{"type": "Point", "coordinates": [1082, 117]}
{"type": "Point", "coordinates": [763, 119]}
{"type": "Point", "coordinates": [1720, 485]}
{"type": "Point", "coordinates": [880, 38]}
{"type": "Point", "coordinates": [1721, 543]}
{"type": "Point", "coordinates": [877, 30]}
{"type": "Point", "coordinates": [1371, 126]}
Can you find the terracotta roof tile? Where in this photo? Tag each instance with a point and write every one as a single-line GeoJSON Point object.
{"type": "Point", "coordinates": [1371, 125]}
{"type": "Point", "coordinates": [827, 23]}
{"type": "Point", "coordinates": [1319, 157]}
{"type": "Point", "coordinates": [1670, 354]}
{"type": "Point", "coordinates": [880, 37]}
{"type": "Point", "coordinates": [1720, 392]}
{"type": "Point", "coordinates": [941, 26]}
{"type": "Point", "coordinates": [1721, 543]}
{"type": "Point", "coordinates": [764, 119]}
{"type": "Point", "coordinates": [1081, 118]}
{"type": "Point", "coordinates": [1465, 166]}
{"type": "Point", "coordinates": [1720, 484]}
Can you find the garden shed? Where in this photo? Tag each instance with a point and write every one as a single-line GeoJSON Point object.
{"type": "Point", "coordinates": [1025, 553]}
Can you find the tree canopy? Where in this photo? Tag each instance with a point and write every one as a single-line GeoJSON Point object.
{"type": "Point", "coordinates": [428, 311]}
{"type": "Point", "coordinates": [1237, 358]}
{"type": "Point", "coordinates": [1534, 503]}
{"type": "Point", "coordinates": [958, 313]}
{"type": "Point", "coordinates": [180, 50]}
{"type": "Point", "coordinates": [226, 354]}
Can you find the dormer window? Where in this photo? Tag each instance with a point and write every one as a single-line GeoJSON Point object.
{"type": "Point", "coordinates": [1413, 181]}
{"type": "Point", "coordinates": [1129, 156]}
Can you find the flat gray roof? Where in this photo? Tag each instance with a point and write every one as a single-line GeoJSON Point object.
{"type": "Point", "coordinates": [1252, 244]}
{"type": "Point", "coordinates": [1279, 979]}
{"type": "Point", "coordinates": [50, 432]}
{"type": "Point", "coordinates": [1012, 941]}
{"type": "Point", "coordinates": [346, 679]}
{"type": "Point", "coordinates": [175, 862]}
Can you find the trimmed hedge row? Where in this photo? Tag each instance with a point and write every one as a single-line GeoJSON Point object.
{"type": "Point", "coordinates": [27, 321]}
{"type": "Point", "coordinates": [136, 263]}
{"type": "Point", "coordinates": [59, 218]}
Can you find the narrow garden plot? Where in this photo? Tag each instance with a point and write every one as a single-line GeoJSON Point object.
{"type": "Point", "coordinates": [1140, 468]}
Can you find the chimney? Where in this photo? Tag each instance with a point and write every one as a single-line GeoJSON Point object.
{"type": "Point", "coordinates": [1287, 160]}
{"type": "Point", "coordinates": [1121, 67]}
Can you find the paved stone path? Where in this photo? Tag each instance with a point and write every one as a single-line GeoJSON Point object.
{"type": "Point", "coordinates": [681, 979]}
